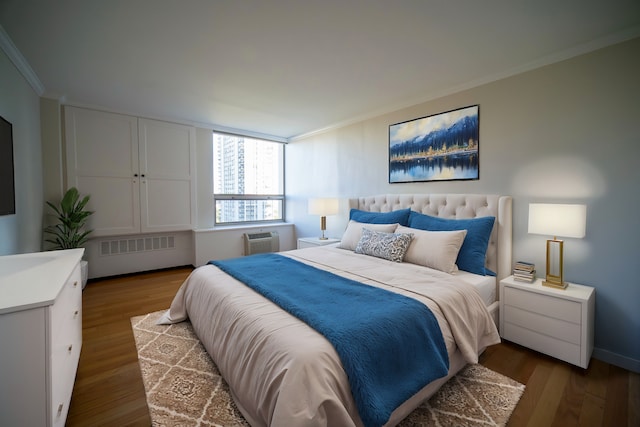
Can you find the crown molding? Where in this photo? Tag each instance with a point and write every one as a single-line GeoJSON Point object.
{"type": "Point", "coordinates": [20, 62]}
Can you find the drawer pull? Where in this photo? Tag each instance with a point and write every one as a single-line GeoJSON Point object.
{"type": "Point", "coordinates": [75, 313]}
{"type": "Point", "coordinates": [75, 283]}
{"type": "Point", "coordinates": [70, 348]}
{"type": "Point", "coordinates": [60, 406]}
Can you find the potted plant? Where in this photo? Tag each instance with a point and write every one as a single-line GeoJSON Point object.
{"type": "Point", "coordinates": [70, 232]}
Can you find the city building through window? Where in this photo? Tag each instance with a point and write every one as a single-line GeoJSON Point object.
{"type": "Point", "coordinates": [248, 179]}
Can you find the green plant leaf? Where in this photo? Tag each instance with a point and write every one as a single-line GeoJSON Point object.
{"type": "Point", "coordinates": [69, 232]}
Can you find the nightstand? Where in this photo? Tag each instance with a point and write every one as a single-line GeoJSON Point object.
{"type": "Point", "coordinates": [309, 242]}
{"type": "Point", "coordinates": [555, 322]}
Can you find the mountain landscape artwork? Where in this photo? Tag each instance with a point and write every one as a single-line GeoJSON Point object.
{"type": "Point", "coordinates": [441, 147]}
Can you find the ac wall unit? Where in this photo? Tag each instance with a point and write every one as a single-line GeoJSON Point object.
{"type": "Point", "coordinates": [257, 243]}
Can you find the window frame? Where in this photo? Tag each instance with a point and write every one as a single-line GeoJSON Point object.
{"type": "Point", "coordinates": [248, 197]}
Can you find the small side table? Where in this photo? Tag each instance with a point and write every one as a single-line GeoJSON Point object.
{"type": "Point", "coordinates": [555, 322]}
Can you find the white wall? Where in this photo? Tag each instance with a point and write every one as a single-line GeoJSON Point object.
{"type": "Point", "coordinates": [228, 242]}
{"type": "Point", "coordinates": [566, 132]}
{"type": "Point", "coordinates": [19, 104]}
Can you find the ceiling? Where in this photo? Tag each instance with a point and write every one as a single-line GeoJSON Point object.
{"type": "Point", "coordinates": [291, 67]}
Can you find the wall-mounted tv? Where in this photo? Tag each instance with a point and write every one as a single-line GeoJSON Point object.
{"type": "Point", "coordinates": [7, 183]}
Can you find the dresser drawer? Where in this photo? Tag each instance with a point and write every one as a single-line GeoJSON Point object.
{"type": "Point", "coordinates": [551, 346]}
{"type": "Point", "coordinates": [552, 327]}
{"type": "Point", "coordinates": [558, 308]}
{"type": "Point", "coordinates": [65, 349]}
{"type": "Point", "coordinates": [64, 363]}
{"type": "Point", "coordinates": [67, 307]}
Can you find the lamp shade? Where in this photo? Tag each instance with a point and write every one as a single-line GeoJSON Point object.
{"type": "Point", "coordinates": [323, 207]}
{"type": "Point", "coordinates": [557, 219]}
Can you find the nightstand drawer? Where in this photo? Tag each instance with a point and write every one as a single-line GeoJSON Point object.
{"type": "Point", "coordinates": [555, 328]}
{"type": "Point", "coordinates": [311, 242]}
{"type": "Point", "coordinates": [558, 308]}
{"type": "Point", "coordinates": [544, 344]}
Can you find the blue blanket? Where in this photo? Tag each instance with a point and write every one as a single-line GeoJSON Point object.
{"type": "Point", "coordinates": [367, 326]}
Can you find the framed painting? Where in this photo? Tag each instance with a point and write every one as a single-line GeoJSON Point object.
{"type": "Point", "coordinates": [441, 147]}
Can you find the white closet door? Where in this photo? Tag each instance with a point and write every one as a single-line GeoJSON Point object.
{"type": "Point", "coordinates": [167, 186]}
{"type": "Point", "coordinates": [102, 161]}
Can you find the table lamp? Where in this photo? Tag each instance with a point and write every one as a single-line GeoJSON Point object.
{"type": "Point", "coordinates": [323, 207]}
{"type": "Point", "coordinates": [557, 220]}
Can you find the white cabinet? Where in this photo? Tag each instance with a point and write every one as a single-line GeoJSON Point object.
{"type": "Point", "coordinates": [40, 336]}
{"type": "Point", "coordinates": [139, 172]}
{"type": "Point", "coordinates": [309, 242]}
{"type": "Point", "coordinates": [557, 322]}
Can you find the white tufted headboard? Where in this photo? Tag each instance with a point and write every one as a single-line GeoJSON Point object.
{"type": "Point", "coordinates": [456, 206]}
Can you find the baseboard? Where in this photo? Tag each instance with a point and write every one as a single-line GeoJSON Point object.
{"type": "Point", "coordinates": [628, 363]}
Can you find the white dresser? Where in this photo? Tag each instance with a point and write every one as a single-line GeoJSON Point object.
{"type": "Point", "coordinates": [40, 336]}
{"type": "Point", "coordinates": [557, 322]}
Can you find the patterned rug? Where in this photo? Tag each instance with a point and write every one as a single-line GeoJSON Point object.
{"type": "Point", "coordinates": [184, 387]}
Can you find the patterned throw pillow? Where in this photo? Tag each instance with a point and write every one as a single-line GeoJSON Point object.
{"type": "Point", "coordinates": [389, 246]}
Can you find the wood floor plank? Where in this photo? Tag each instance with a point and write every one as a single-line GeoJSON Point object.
{"type": "Point", "coordinates": [570, 406]}
{"type": "Point", "coordinates": [592, 411]}
{"type": "Point", "coordinates": [598, 378]}
{"type": "Point", "coordinates": [109, 391]}
{"type": "Point", "coordinates": [615, 408]}
{"type": "Point", "coordinates": [511, 365]}
{"type": "Point", "coordinates": [547, 406]}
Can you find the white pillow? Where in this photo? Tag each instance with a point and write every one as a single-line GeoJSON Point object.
{"type": "Point", "coordinates": [353, 233]}
{"type": "Point", "coordinates": [434, 249]}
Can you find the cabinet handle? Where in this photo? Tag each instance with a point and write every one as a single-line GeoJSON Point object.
{"type": "Point", "coordinates": [70, 348]}
{"type": "Point", "coordinates": [75, 284]}
{"type": "Point", "coordinates": [75, 313]}
{"type": "Point", "coordinates": [60, 406]}
{"type": "Point", "coordinates": [135, 175]}
{"type": "Point", "coordinates": [142, 175]}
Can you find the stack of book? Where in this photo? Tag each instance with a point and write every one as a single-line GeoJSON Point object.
{"type": "Point", "coordinates": [524, 272]}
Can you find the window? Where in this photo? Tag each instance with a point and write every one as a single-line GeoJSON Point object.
{"type": "Point", "coordinates": [248, 179]}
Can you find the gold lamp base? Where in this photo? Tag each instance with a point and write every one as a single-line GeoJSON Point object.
{"type": "Point", "coordinates": [323, 226]}
{"type": "Point", "coordinates": [554, 284]}
{"type": "Point", "coordinates": [555, 265]}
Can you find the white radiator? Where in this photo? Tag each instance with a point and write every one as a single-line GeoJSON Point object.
{"type": "Point", "coordinates": [120, 246]}
{"type": "Point", "coordinates": [257, 243]}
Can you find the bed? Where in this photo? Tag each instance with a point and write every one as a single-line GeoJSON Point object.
{"type": "Point", "coordinates": [281, 372]}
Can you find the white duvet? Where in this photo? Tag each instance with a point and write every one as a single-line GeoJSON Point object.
{"type": "Point", "coordinates": [283, 373]}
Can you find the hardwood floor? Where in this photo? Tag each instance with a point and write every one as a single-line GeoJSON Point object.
{"type": "Point", "coordinates": [563, 395]}
{"type": "Point", "coordinates": [109, 392]}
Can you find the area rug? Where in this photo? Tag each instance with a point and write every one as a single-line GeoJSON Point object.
{"type": "Point", "coordinates": [185, 388]}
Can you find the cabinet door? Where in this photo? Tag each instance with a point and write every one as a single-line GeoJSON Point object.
{"type": "Point", "coordinates": [167, 186]}
{"type": "Point", "coordinates": [102, 161]}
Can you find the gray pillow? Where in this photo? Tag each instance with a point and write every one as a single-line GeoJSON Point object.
{"type": "Point", "coordinates": [389, 246]}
